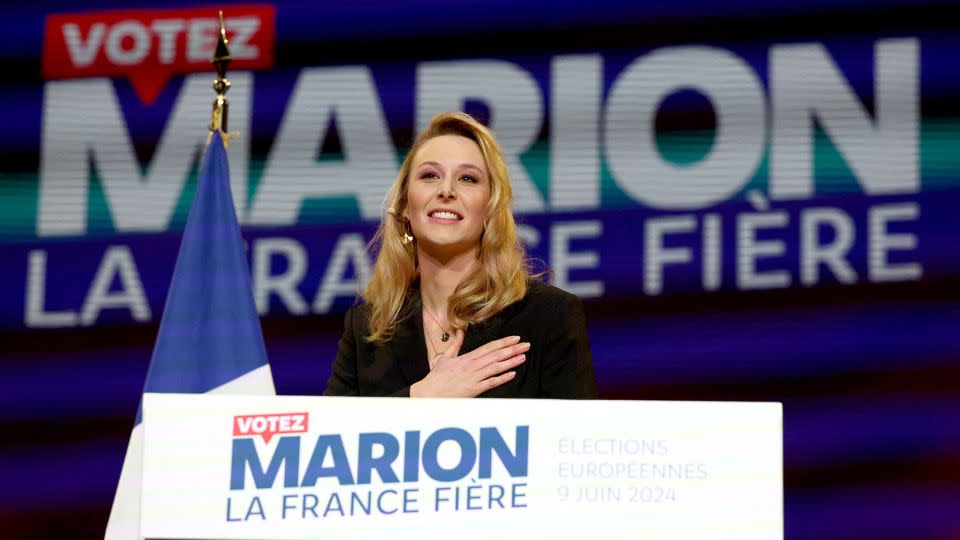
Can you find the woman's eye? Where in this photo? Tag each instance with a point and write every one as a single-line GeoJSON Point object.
{"type": "Point", "coordinates": [428, 175]}
{"type": "Point", "coordinates": [470, 179]}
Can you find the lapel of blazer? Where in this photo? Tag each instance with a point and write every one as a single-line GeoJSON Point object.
{"type": "Point", "coordinates": [480, 334]}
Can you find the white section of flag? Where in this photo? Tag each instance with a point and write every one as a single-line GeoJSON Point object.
{"type": "Point", "coordinates": [124, 523]}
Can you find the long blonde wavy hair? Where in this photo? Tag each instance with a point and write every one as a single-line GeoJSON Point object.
{"type": "Point", "coordinates": [498, 281]}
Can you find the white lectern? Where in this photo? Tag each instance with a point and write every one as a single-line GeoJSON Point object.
{"type": "Point", "coordinates": [290, 467]}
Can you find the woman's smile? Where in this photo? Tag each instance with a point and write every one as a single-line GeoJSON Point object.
{"type": "Point", "coordinates": [444, 216]}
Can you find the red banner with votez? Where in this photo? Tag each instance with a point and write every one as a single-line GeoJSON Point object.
{"type": "Point", "coordinates": [149, 45]}
{"type": "Point", "coordinates": [268, 425]}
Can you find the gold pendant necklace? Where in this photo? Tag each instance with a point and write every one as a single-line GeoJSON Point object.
{"type": "Point", "coordinates": [445, 336]}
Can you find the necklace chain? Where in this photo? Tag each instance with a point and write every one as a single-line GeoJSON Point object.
{"type": "Point", "coordinates": [446, 335]}
{"type": "Point", "coordinates": [436, 357]}
{"type": "Point", "coordinates": [443, 338]}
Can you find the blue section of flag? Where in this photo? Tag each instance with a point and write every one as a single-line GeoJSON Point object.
{"type": "Point", "coordinates": [210, 332]}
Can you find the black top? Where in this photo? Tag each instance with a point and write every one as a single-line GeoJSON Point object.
{"type": "Point", "coordinates": [558, 364]}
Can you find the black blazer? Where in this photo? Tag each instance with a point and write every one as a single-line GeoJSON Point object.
{"type": "Point", "coordinates": [558, 365]}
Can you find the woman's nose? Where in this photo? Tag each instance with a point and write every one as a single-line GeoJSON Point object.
{"type": "Point", "coordinates": [446, 189]}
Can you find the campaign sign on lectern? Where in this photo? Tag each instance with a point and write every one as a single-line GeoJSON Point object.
{"type": "Point", "coordinates": [283, 467]}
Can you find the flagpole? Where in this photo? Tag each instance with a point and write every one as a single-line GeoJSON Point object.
{"type": "Point", "coordinates": [221, 61]}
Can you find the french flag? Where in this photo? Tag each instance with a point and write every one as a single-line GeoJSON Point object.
{"type": "Point", "coordinates": [210, 338]}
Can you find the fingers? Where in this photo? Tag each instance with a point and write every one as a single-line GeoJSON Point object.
{"type": "Point", "coordinates": [490, 347]}
{"type": "Point", "coordinates": [499, 367]}
{"type": "Point", "coordinates": [499, 355]}
{"type": "Point", "coordinates": [494, 382]}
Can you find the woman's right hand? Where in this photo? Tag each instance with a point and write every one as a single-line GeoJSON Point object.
{"type": "Point", "coordinates": [473, 373]}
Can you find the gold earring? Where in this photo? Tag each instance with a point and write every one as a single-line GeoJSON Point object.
{"type": "Point", "coordinates": [407, 233]}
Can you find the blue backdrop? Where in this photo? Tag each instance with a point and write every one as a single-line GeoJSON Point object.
{"type": "Point", "coordinates": [756, 201]}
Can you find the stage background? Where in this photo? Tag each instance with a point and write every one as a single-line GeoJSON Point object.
{"type": "Point", "coordinates": [728, 141]}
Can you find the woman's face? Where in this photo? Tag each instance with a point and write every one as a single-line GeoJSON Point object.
{"type": "Point", "coordinates": [447, 195]}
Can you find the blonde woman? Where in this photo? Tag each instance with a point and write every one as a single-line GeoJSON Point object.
{"type": "Point", "coordinates": [451, 309]}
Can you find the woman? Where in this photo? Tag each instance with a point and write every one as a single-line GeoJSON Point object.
{"type": "Point", "coordinates": [451, 309]}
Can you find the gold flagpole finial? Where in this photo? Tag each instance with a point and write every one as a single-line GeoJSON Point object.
{"type": "Point", "coordinates": [221, 61]}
